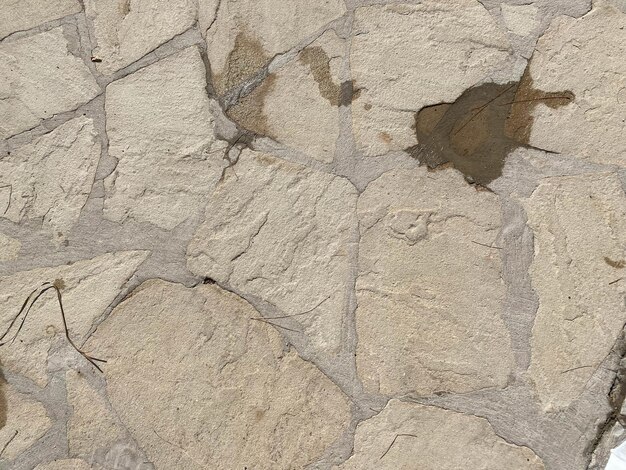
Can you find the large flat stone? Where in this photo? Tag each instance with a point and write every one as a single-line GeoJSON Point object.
{"type": "Point", "coordinates": [412, 436]}
{"type": "Point", "coordinates": [405, 57]}
{"type": "Point", "coordinates": [579, 225]}
{"type": "Point", "coordinates": [200, 385]}
{"type": "Point", "coordinates": [39, 78]}
{"type": "Point", "coordinates": [160, 129]}
{"type": "Point", "coordinates": [125, 31]}
{"type": "Point", "coordinates": [284, 233]}
{"type": "Point", "coordinates": [21, 15]}
{"type": "Point", "coordinates": [582, 57]}
{"type": "Point", "coordinates": [52, 177]}
{"type": "Point", "coordinates": [9, 248]}
{"type": "Point", "coordinates": [90, 287]}
{"type": "Point", "coordinates": [429, 290]}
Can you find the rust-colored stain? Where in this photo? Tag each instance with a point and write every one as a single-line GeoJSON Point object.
{"type": "Point", "coordinates": [477, 132]}
{"type": "Point", "coordinates": [248, 112]}
{"type": "Point", "coordinates": [615, 264]}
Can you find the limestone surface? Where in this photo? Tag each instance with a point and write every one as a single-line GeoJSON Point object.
{"type": "Point", "coordinates": [9, 248]}
{"type": "Point", "coordinates": [52, 177]}
{"type": "Point", "coordinates": [429, 290]}
{"type": "Point", "coordinates": [21, 15]}
{"type": "Point", "coordinates": [65, 464]}
{"type": "Point", "coordinates": [89, 287]}
{"type": "Point", "coordinates": [125, 31]}
{"type": "Point", "coordinates": [399, 55]}
{"type": "Point", "coordinates": [167, 162]}
{"type": "Point", "coordinates": [579, 223]}
{"type": "Point", "coordinates": [410, 436]}
{"type": "Point", "coordinates": [172, 349]}
{"type": "Point", "coordinates": [39, 78]}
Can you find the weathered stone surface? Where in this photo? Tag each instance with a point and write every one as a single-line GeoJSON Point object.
{"type": "Point", "coordinates": [127, 30]}
{"type": "Point", "coordinates": [404, 57]}
{"type": "Point", "coordinates": [39, 78]}
{"type": "Point", "coordinates": [247, 34]}
{"type": "Point", "coordinates": [90, 286]}
{"type": "Point", "coordinates": [201, 385]}
{"type": "Point", "coordinates": [579, 225]}
{"type": "Point", "coordinates": [299, 104]}
{"type": "Point", "coordinates": [65, 464]}
{"type": "Point", "coordinates": [411, 436]}
{"type": "Point", "coordinates": [23, 415]}
{"type": "Point", "coordinates": [20, 15]}
{"type": "Point", "coordinates": [580, 55]}
{"type": "Point", "coordinates": [520, 19]}
{"type": "Point", "coordinates": [52, 177]}
{"type": "Point", "coordinates": [429, 290]}
{"type": "Point", "coordinates": [9, 248]}
{"type": "Point", "coordinates": [161, 130]}
{"type": "Point", "coordinates": [284, 233]}
{"type": "Point", "coordinates": [91, 426]}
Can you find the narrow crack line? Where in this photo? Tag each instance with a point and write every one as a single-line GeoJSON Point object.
{"type": "Point", "coordinates": [10, 186]}
{"type": "Point", "coordinates": [483, 107]}
{"type": "Point", "coordinates": [394, 441]}
{"type": "Point", "coordinates": [488, 246]}
{"type": "Point", "coordinates": [8, 442]}
{"type": "Point", "coordinates": [615, 281]}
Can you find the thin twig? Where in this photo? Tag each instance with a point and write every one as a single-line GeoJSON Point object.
{"type": "Point", "coordinates": [293, 314]}
{"type": "Point", "coordinates": [616, 280]}
{"type": "Point", "coordinates": [8, 442]}
{"type": "Point", "coordinates": [394, 441]}
{"type": "Point", "coordinates": [488, 246]}
{"type": "Point", "coordinates": [274, 324]}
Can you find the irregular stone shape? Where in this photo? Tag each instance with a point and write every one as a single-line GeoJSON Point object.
{"type": "Point", "coordinates": [520, 19]}
{"type": "Point", "coordinates": [410, 436]}
{"type": "Point", "coordinates": [39, 78]}
{"type": "Point", "coordinates": [9, 248]}
{"type": "Point", "coordinates": [283, 233]}
{"type": "Point", "coordinates": [22, 414]}
{"type": "Point", "coordinates": [91, 426]}
{"type": "Point", "coordinates": [161, 131]}
{"type": "Point", "coordinates": [200, 385]}
{"type": "Point", "coordinates": [125, 31]}
{"type": "Point", "coordinates": [90, 287]}
{"type": "Point", "coordinates": [52, 177]}
{"type": "Point", "coordinates": [579, 225]}
{"type": "Point", "coordinates": [429, 290]}
{"type": "Point", "coordinates": [65, 464]}
{"type": "Point", "coordinates": [579, 55]}
{"type": "Point", "coordinates": [299, 104]}
{"type": "Point", "coordinates": [20, 15]}
{"type": "Point", "coordinates": [404, 57]}
{"type": "Point", "coordinates": [247, 34]}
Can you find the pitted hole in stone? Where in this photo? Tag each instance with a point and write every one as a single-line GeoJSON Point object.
{"type": "Point", "coordinates": [477, 132]}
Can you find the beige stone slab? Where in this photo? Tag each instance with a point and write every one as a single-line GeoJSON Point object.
{"type": "Point", "coordinates": [52, 177]}
{"type": "Point", "coordinates": [247, 34]}
{"type": "Point", "coordinates": [126, 30]}
{"type": "Point", "coordinates": [579, 225]}
{"type": "Point", "coordinates": [160, 129]}
{"type": "Point", "coordinates": [90, 287]}
{"type": "Point", "coordinates": [583, 56]}
{"type": "Point", "coordinates": [409, 436]}
{"type": "Point", "coordinates": [405, 57]}
{"type": "Point", "coordinates": [21, 15]}
{"type": "Point", "coordinates": [39, 78]}
{"type": "Point", "coordinates": [429, 291]}
{"type": "Point", "coordinates": [299, 104]}
{"type": "Point", "coordinates": [9, 248]}
{"type": "Point", "coordinates": [201, 385]}
{"type": "Point", "coordinates": [23, 421]}
{"type": "Point", "coordinates": [522, 20]}
{"type": "Point", "coordinates": [284, 233]}
{"type": "Point", "coordinates": [64, 464]}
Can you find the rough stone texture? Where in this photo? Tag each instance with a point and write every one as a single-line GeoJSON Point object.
{"type": "Point", "coordinates": [21, 15]}
{"type": "Point", "coordinates": [410, 436]}
{"type": "Point", "coordinates": [52, 177]}
{"type": "Point", "coordinates": [269, 408]}
{"type": "Point", "coordinates": [39, 78]}
{"type": "Point", "coordinates": [399, 55]}
{"type": "Point", "coordinates": [65, 464]}
{"type": "Point", "coordinates": [24, 421]}
{"type": "Point", "coordinates": [166, 163]}
{"type": "Point", "coordinates": [283, 233]}
{"type": "Point", "coordinates": [425, 261]}
{"type": "Point", "coordinates": [9, 248]}
{"type": "Point", "coordinates": [90, 286]}
{"type": "Point", "coordinates": [582, 56]}
{"type": "Point", "coordinates": [125, 31]}
{"type": "Point", "coordinates": [247, 34]}
{"type": "Point", "coordinates": [579, 224]}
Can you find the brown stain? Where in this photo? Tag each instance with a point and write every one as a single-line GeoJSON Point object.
{"type": "Point", "coordinates": [248, 112]}
{"type": "Point", "coordinates": [319, 63]}
{"type": "Point", "coordinates": [477, 132]}
{"type": "Point", "coordinates": [615, 264]}
{"type": "Point", "coordinates": [124, 7]}
{"type": "Point", "coordinates": [245, 60]}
